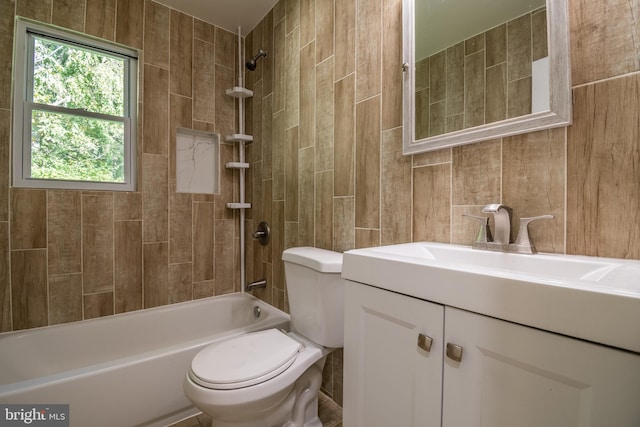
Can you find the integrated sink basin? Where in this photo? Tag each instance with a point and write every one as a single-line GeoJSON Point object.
{"type": "Point", "coordinates": [544, 267]}
{"type": "Point", "coordinates": [596, 299]}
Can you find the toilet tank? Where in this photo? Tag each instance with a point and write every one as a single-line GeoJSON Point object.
{"type": "Point", "coordinates": [316, 294]}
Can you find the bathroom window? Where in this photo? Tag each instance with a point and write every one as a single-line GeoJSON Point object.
{"type": "Point", "coordinates": [75, 111]}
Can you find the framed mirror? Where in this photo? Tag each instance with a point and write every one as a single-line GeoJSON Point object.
{"type": "Point", "coordinates": [481, 69]}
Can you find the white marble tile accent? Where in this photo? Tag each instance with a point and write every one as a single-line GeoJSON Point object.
{"type": "Point", "coordinates": [197, 162]}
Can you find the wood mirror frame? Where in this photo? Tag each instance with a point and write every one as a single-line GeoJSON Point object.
{"type": "Point", "coordinates": [559, 113]}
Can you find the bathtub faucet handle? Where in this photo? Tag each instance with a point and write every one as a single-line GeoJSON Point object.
{"type": "Point", "coordinates": [262, 234]}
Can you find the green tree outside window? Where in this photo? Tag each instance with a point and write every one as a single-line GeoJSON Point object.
{"type": "Point", "coordinates": [69, 147]}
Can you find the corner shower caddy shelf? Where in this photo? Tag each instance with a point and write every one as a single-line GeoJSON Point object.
{"type": "Point", "coordinates": [239, 205]}
{"type": "Point", "coordinates": [238, 137]}
{"type": "Point", "coordinates": [241, 93]}
{"type": "Point", "coordinates": [237, 165]}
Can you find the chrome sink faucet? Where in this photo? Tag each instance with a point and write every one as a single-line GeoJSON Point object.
{"type": "Point", "coordinates": [502, 219]}
{"type": "Point", "coordinates": [502, 241]}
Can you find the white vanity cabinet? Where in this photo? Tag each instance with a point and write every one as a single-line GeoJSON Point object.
{"type": "Point", "coordinates": [388, 379]}
{"type": "Point", "coordinates": [509, 375]}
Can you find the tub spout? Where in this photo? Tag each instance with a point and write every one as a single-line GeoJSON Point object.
{"type": "Point", "coordinates": [262, 283]}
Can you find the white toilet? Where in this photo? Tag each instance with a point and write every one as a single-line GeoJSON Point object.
{"type": "Point", "coordinates": [271, 378]}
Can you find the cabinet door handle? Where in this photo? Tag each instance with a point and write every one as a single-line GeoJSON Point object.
{"type": "Point", "coordinates": [454, 352]}
{"type": "Point", "coordinates": [424, 342]}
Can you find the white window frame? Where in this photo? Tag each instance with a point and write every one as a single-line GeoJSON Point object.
{"type": "Point", "coordinates": [23, 106]}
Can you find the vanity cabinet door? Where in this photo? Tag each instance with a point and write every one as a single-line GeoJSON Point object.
{"type": "Point", "coordinates": [512, 375]}
{"type": "Point", "coordinates": [390, 379]}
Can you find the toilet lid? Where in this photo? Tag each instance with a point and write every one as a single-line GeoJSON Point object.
{"type": "Point", "coordinates": [245, 360]}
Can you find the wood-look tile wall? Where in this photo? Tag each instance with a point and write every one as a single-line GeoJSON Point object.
{"type": "Point", "coordinates": [328, 119]}
{"type": "Point", "coordinates": [71, 255]}
{"type": "Point", "coordinates": [483, 79]}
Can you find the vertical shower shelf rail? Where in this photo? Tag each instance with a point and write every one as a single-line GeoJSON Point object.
{"type": "Point", "coordinates": [240, 93]}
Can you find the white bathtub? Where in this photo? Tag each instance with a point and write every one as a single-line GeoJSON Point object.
{"type": "Point", "coordinates": [124, 370]}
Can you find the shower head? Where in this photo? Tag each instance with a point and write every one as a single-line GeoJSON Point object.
{"type": "Point", "coordinates": [251, 64]}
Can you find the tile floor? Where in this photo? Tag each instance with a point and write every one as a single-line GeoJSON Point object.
{"type": "Point", "coordinates": [330, 414]}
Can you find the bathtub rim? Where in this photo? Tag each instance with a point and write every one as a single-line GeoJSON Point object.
{"type": "Point", "coordinates": [110, 364]}
{"type": "Point", "coordinates": [166, 307]}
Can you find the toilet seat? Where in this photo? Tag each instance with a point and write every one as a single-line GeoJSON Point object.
{"type": "Point", "coordinates": [245, 360]}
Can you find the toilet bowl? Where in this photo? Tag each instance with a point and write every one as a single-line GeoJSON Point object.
{"type": "Point", "coordinates": [267, 396]}
{"type": "Point", "coordinates": [271, 378]}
